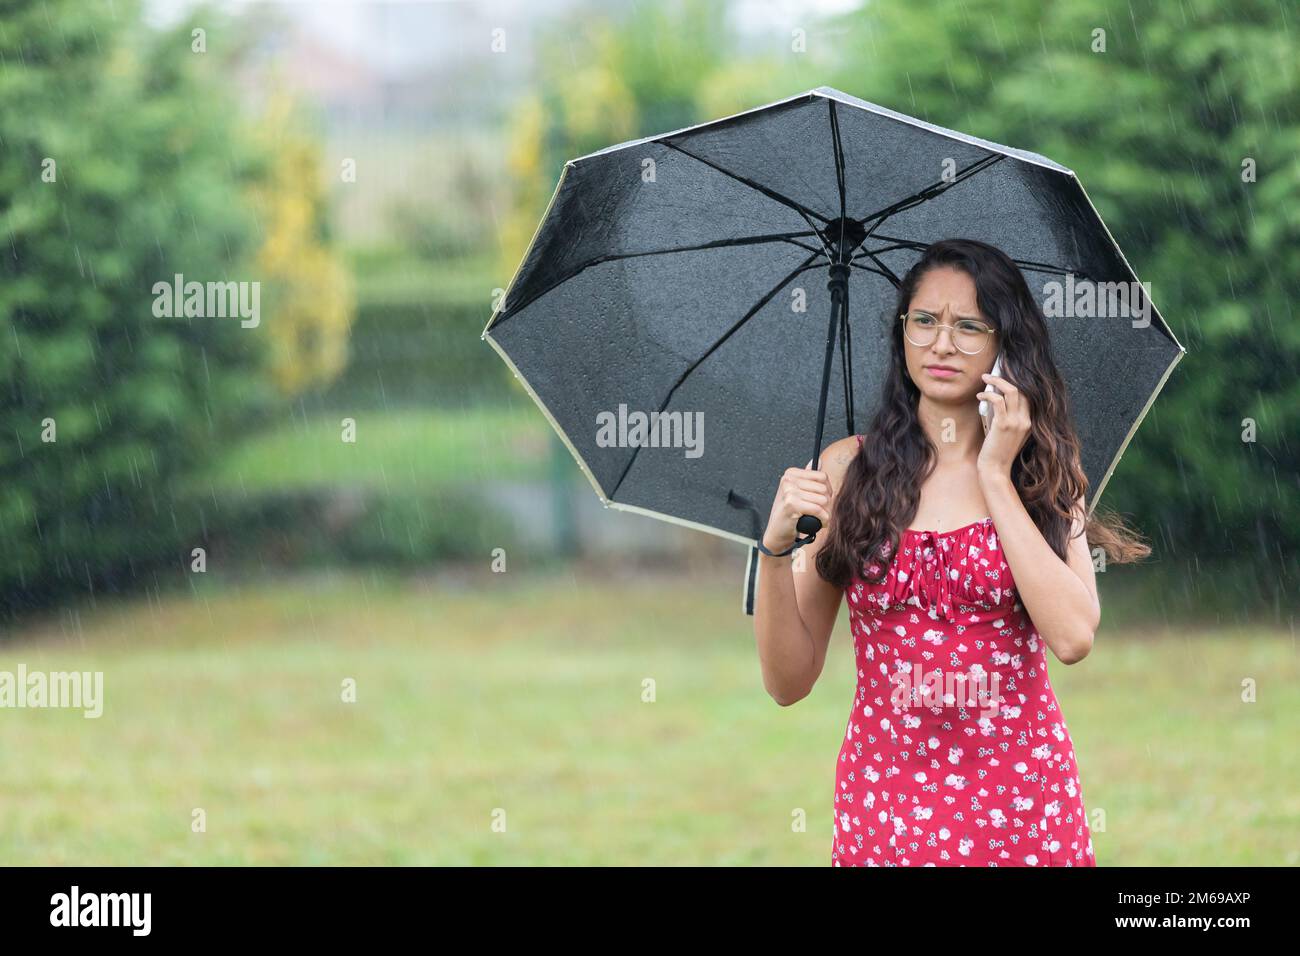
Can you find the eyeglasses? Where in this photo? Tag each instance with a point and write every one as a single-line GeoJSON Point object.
{"type": "Point", "coordinates": [969, 335]}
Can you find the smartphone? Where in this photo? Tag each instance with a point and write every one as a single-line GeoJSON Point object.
{"type": "Point", "coordinates": [986, 410]}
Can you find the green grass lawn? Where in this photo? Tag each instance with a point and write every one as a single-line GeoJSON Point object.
{"type": "Point", "coordinates": [524, 695]}
{"type": "Point", "coordinates": [395, 450]}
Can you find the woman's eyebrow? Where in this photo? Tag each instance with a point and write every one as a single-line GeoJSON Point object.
{"type": "Point", "coordinates": [935, 312]}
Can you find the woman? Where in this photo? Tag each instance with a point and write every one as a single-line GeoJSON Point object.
{"type": "Point", "coordinates": [964, 558]}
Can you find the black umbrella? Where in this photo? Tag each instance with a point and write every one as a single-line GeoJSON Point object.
{"type": "Point", "coordinates": [706, 275]}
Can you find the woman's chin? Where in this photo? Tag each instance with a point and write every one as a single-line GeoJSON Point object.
{"type": "Point", "coordinates": [954, 392]}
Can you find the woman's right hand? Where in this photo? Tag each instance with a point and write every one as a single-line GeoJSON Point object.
{"type": "Point", "coordinates": [802, 491]}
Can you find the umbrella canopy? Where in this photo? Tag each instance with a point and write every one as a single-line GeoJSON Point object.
{"type": "Point", "coordinates": [680, 283]}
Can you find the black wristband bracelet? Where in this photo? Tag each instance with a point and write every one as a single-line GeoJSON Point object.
{"type": "Point", "coordinates": [798, 543]}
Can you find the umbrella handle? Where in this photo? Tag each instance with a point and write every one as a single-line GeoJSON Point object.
{"type": "Point", "coordinates": [809, 525]}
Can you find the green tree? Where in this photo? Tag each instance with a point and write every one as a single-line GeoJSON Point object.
{"type": "Point", "coordinates": [604, 78]}
{"type": "Point", "coordinates": [121, 167]}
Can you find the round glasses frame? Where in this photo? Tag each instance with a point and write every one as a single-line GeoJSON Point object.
{"type": "Point", "coordinates": [986, 333]}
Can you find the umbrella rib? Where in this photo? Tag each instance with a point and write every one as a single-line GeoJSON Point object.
{"type": "Point", "coordinates": [884, 270]}
{"type": "Point", "coordinates": [804, 266]}
{"type": "Point", "coordinates": [920, 246]}
{"type": "Point", "coordinates": [886, 274]}
{"type": "Point", "coordinates": [932, 190]}
{"type": "Point", "coordinates": [765, 190]}
{"type": "Point", "coordinates": [839, 164]}
{"type": "Point", "coordinates": [898, 244]}
{"type": "Point", "coordinates": [825, 249]}
{"type": "Point", "coordinates": [789, 237]}
{"type": "Point", "coordinates": [1044, 267]}
{"type": "Point", "coordinates": [820, 252]}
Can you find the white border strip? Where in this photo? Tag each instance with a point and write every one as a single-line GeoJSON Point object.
{"type": "Point", "coordinates": [618, 505]}
{"type": "Point", "coordinates": [1096, 497]}
{"type": "Point", "coordinates": [546, 214]}
{"type": "Point", "coordinates": [513, 368]}
{"type": "Point", "coordinates": [695, 525]}
{"type": "Point", "coordinates": [847, 99]}
{"type": "Point", "coordinates": [634, 509]}
{"type": "Point", "coordinates": [830, 93]}
{"type": "Point", "coordinates": [1124, 259]}
{"type": "Point", "coordinates": [690, 129]}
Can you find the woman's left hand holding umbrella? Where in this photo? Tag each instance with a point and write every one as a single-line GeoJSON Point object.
{"type": "Point", "coordinates": [802, 491]}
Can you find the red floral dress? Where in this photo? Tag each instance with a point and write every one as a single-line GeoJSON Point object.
{"type": "Point", "coordinates": [956, 751]}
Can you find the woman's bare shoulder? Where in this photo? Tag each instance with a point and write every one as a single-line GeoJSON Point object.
{"type": "Point", "coordinates": [837, 456]}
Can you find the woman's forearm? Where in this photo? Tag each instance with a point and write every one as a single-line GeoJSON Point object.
{"type": "Point", "coordinates": [785, 648]}
{"type": "Point", "coordinates": [1058, 603]}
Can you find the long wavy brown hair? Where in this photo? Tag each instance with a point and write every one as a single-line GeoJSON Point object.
{"type": "Point", "coordinates": [881, 488]}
